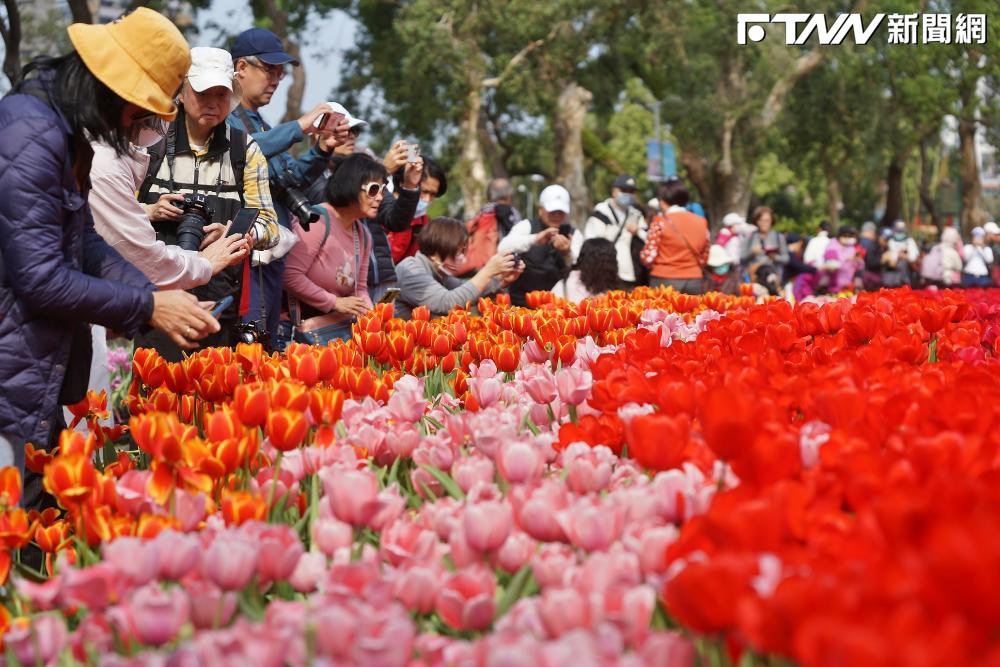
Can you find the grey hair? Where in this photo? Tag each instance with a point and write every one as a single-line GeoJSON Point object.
{"type": "Point", "coordinates": [499, 188]}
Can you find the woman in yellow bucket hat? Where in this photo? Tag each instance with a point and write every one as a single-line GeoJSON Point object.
{"type": "Point", "coordinates": [56, 273]}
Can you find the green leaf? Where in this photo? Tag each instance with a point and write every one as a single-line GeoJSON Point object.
{"type": "Point", "coordinates": [446, 481]}
{"type": "Point", "coordinates": [515, 590]}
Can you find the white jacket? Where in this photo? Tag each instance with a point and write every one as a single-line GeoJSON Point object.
{"type": "Point", "coordinates": [595, 228]}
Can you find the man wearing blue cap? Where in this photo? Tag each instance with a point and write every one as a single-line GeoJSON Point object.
{"type": "Point", "coordinates": [260, 62]}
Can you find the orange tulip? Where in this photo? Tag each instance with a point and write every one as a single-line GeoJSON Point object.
{"type": "Point", "coordinates": [162, 400]}
{"type": "Point", "coordinates": [70, 478]}
{"type": "Point", "coordinates": [251, 403]}
{"type": "Point", "coordinates": [150, 525]}
{"type": "Point", "coordinates": [384, 311]}
{"type": "Point", "coordinates": [441, 344]}
{"type": "Point", "coordinates": [290, 394]}
{"type": "Point", "coordinates": [75, 442]}
{"type": "Point", "coordinates": [94, 524]}
{"type": "Point", "coordinates": [371, 343]}
{"type": "Point", "coordinates": [401, 345]}
{"type": "Point", "coordinates": [5, 561]}
{"type": "Point", "coordinates": [239, 507]}
{"type": "Point", "coordinates": [325, 405]}
{"type": "Point", "coordinates": [10, 486]}
{"type": "Point", "coordinates": [304, 367]}
{"type": "Point", "coordinates": [149, 366]}
{"type": "Point", "coordinates": [185, 408]}
{"type": "Point", "coordinates": [122, 465]}
{"type": "Point", "coordinates": [177, 378]}
{"type": "Point", "coordinates": [223, 424]}
{"type": "Point", "coordinates": [327, 363]}
{"type": "Point", "coordinates": [160, 435]}
{"type": "Point", "coordinates": [51, 539]}
{"type": "Point", "coordinates": [35, 460]}
{"type": "Point", "coordinates": [421, 313]}
{"type": "Point", "coordinates": [93, 405]}
{"type": "Point", "coordinates": [360, 381]}
{"type": "Point", "coordinates": [286, 429]}
{"type": "Point", "coordinates": [15, 531]}
{"type": "Point", "coordinates": [250, 356]}
{"type": "Point", "coordinates": [507, 357]}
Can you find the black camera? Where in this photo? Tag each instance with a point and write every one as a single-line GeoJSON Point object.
{"type": "Point", "coordinates": [294, 199]}
{"type": "Point", "coordinates": [252, 332]}
{"type": "Point", "coordinates": [197, 213]}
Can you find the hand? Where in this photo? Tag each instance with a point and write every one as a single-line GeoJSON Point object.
{"type": "Point", "coordinates": [546, 235]}
{"type": "Point", "coordinates": [350, 305]}
{"type": "Point", "coordinates": [396, 157]}
{"type": "Point", "coordinates": [499, 264]}
{"type": "Point", "coordinates": [561, 243]}
{"type": "Point", "coordinates": [307, 120]}
{"type": "Point", "coordinates": [182, 317]}
{"type": "Point", "coordinates": [214, 232]}
{"type": "Point", "coordinates": [226, 251]}
{"type": "Point", "coordinates": [511, 276]}
{"type": "Point", "coordinates": [413, 173]}
{"type": "Point", "coordinates": [330, 141]}
{"type": "Point", "coordinates": [631, 228]}
{"type": "Point", "coordinates": [163, 209]}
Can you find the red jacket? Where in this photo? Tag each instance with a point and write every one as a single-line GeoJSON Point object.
{"type": "Point", "coordinates": [404, 243]}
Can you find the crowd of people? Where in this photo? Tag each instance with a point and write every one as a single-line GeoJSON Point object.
{"type": "Point", "coordinates": [147, 197]}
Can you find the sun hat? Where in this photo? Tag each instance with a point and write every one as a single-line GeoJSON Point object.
{"type": "Point", "coordinates": [264, 44]}
{"type": "Point", "coordinates": [717, 256]}
{"type": "Point", "coordinates": [142, 57]}
{"type": "Point", "coordinates": [554, 198]}
{"type": "Point", "coordinates": [211, 67]}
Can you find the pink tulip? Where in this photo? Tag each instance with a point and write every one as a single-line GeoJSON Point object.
{"type": "Point", "coordinates": [462, 554]}
{"type": "Point", "coordinates": [467, 471]}
{"type": "Point", "coordinates": [407, 402]}
{"type": "Point", "coordinates": [210, 606]}
{"type": "Point", "coordinates": [513, 651]}
{"type": "Point", "coordinates": [553, 565]}
{"type": "Point", "coordinates": [588, 469]}
{"type": "Point", "coordinates": [484, 369]}
{"type": "Point", "coordinates": [308, 573]}
{"type": "Point", "coordinates": [403, 440]}
{"type": "Point", "coordinates": [38, 641]}
{"type": "Point", "coordinates": [156, 615]}
{"type": "Point", "coordinates": [405, 540]}
{"type": "Point", "coordinates": [667, 648]}
{"type": "Point", "coordinates": [278, 550]}
{"type": "Point", "coordinates": [591, 525]}
{"type": "Point", "coordinates": [189, 509]}
{"type": "Point", "coordinates": [537, 512]}
{"type": "Point", "coordinates": [521, 619]}
{"type": "Point", "coordinates": [92, 587]}
{"type": "Point", "coordinates": [535, 352]}
{"type": "Point", "coordinates": [515, 553]}
{"type": "Point", "coordinates": [573, 385]}
{"type": "Point", "coordinates": [486, 391]}
{"type": "Point", "coordinates": [425, 484]}
{"type": "Point", "coordinates": [540, 385]}
{"type": "Point", "coordinates": [179, 554]}
{"type": "Point", "coordinates": [385, 638]}
{"type": "Point", "coordinates": [564, 609]}
{"type": "Point", "coordinates": [229, 562]}
{"type": "Point", "coordinates": [604, 570]}
{"type": "Point", "coordinates": [520, 462]}
{"type": "Point", "coordinates": [652, 548]}
{"type": "Point", "coordinates": [352, 494]}
{"type": "Point", "coordinates": [352, 579]}
{"type": "Point", "coordinates": [631, 609]}
{"type": "Point", "coordinates": [417, 587]}
{"type": "Point", "coordinates": [42, 596]}
{"type": "Point", "coordinates": [487, 525]}
{"type": "Point", "coordinates": [92, 634]}
{"type": "Point", "coordinates": [390, 506]}
{"type": "Point", "coordinates": [131, 492]}
{"type": "Point", "coordinates": [339, 628]}
{"type": "Point", "coordinates": [465, 602]}
{"type": "Point", "coordinates": [331, 534]}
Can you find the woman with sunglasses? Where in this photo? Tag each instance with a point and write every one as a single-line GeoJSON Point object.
{"type": "Point", "coordinates": [326, 275]}
{"type": "Point", "coordinates": [57, 274]}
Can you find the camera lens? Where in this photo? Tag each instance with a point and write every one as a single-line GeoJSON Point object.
{"type": "Point", "coordinates": [191, 228]}
{"type": "Point", "coordinates": [295, 201]}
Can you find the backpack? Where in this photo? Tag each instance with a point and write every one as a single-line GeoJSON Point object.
{"type": "Point", "coordinates": [637, 245]}
{"type": "Point", "coordinates": [237, 158]}
{"type": "Point", "coordinates": [931, 267]}
{"type": "Point", "coordinates": [485, 231]}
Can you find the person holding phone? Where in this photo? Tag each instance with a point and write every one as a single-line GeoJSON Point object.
{"type": "Point", "coordinates": [428, 278]}
{"type": "Point", "coordinates": [326, 274]}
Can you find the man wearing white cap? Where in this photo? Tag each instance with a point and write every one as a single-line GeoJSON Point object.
{"type": "Point", "coordinates": [548, 245]}
{"type": "Point", "coordinates": [202, 173]}
{"type": "Point", "coordinates": [978, 261]}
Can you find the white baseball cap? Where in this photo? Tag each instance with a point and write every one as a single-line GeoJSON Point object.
{"type": "Point", "coordinates": [991, 228]}
{"type": "Point", "coordinates": [211, 67]}
{"type": "Point", "coordinates": [554, 198]}
{"type": "Point", "coordinates": [733, 219]}
{"type": "Point", "coordinates": [717, 256]}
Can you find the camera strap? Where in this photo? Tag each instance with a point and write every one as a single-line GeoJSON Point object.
{"type": "Point", "coordinates": [251, 127]}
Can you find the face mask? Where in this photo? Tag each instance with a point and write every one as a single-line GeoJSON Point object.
{"type": "Point", "coordinates": [149, 132]}
{"type": "Point", "coordinates": [899, 236]}
{"type": "Point", "coordinates": [848, 242]}
{"type": "Point", "coordinates": [624, 199]}
{"type": "Point", "coordinates": [721, 270]}
{"type": "Point", "coordinates": [421, 208]}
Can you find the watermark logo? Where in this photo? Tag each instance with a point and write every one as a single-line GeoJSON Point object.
{"type": "Point", "coordinates": [901, 28]}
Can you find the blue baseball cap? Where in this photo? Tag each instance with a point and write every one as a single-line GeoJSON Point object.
{"type": "Point", "coordinates": [261, 43]}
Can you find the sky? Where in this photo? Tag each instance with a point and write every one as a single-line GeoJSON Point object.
{"type": "Point", "coordinates": [322, 54]}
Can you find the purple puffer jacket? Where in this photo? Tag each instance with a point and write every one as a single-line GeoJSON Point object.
{"type": "Point", "coordinates": [56, 272]}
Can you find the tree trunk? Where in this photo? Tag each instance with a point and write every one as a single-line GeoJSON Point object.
{"type": "Point", "coordinates": [472, 163]}
{"type": "Point", "coordinates": [12, 43]}
{"type": "Point", "coordinates": [293, 105]}
{"type": "Point", "coordinates": [834, 200]}
{"type": "Point", "coordinates": [972, 188]}
{"type": "Point", "coordinates": [926, 185]}
{"type": "Point", "coordinates": [570, 115]}
{"type": "Point", "coordinates": [894, 190]}
{"type": "Point", "coordinates": [80, 10]}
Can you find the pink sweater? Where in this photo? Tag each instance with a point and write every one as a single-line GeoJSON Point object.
{"type": "Point", "coordinates": [318, 275]}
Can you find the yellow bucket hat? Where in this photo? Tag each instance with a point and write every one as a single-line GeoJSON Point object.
{"type": "Point", "coordinates": [141, 57]}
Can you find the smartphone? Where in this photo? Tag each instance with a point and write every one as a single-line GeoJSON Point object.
{"type": "Point", "coordinates": [221, 305]}
{"type": "Point", "coordinates": [390, 295]}
{"type": "Point", "coordinates": [243, 221]}
{"type": "Point", "coordinates": [412, 152]}
{"type": "Point", "coordinates": [328, 122]}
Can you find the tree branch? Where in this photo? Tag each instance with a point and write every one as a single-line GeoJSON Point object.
{"type": "Point", "coordinates": [494, 82]}
{"type": "Point", "coordinates": [12, 43]}
{"type": "Point", "coordinates": [779, 92]}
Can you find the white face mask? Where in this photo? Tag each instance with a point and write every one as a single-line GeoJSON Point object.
{"type": "Point", "coordinates": [149, 132]}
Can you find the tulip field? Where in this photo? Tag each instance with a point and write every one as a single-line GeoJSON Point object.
{"type": "Point", "coordinates": [641, 479]}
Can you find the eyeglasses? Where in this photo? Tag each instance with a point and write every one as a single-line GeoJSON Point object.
{"type": "Point", "coordinates": [278, 72]}
{"type": "Point", "coordinates": [373, 189]}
